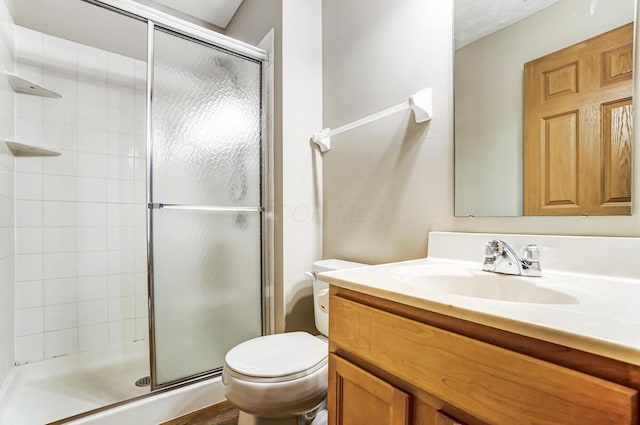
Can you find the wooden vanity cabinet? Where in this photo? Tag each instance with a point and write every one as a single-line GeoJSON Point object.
{"type": "Point", "coordinates": [393, 364]}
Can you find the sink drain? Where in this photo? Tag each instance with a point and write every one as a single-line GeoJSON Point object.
{"type": "Point", "coordinates": [143, 382]}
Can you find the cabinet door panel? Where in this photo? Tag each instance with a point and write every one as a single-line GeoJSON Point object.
{"type": "Point", "coordinates": [357, 397]}
{"type": "Point", "coordinates": [442, 419]}
{"type": "Point", "coordinates": [425, 414]}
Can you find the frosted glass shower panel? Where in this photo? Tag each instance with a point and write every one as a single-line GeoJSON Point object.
{"type": "Point", "coordinates": [206, 110]}
{"type": "Point", "coordinates": [206, 219]}
{"type": "Point", "coordinates": [207, 289]}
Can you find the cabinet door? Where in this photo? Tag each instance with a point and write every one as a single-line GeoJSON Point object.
{"type": "Point", "coordinates": [442, 419]}
{"type": "Point", "coordinates": [357, 397]}
{"type": "Point", "coordinates": [425, 413]}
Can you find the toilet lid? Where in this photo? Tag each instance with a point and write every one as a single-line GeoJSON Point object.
{"type": "Point", "coordinates": [287, 355]}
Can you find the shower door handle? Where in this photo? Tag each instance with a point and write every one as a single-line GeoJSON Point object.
{"type": "Point", "coordinates": [161, 206]}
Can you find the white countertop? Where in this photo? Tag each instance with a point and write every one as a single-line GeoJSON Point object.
{"type": "Point", "coordinates": [605, 321]}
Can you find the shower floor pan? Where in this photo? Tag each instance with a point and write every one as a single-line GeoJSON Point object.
{"type": "Point", "coordinates": [46, 391]}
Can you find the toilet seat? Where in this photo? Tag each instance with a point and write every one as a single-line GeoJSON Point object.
{"type": "Point", "coordinates": [276, 358]}
{"type": "Point", "coordinates": [277, 376]}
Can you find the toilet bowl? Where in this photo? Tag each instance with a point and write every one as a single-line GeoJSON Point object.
{"type": "Point", "coordinates": [276, 379]}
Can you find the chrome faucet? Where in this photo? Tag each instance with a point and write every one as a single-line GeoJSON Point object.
{"type": "Point", "coordinates": [499, 257]}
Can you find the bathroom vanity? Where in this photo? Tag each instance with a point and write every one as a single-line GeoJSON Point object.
{"type": "Point", "coordinates": [406, 353]}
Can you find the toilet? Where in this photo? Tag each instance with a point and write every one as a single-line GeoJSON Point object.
{"type": "Point", "coordinates": [281, 379]}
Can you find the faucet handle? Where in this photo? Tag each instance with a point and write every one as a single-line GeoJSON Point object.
{"type": "Point", "coordinates": [531, 253]}
{"type": "Point", "coordinates": [531, 261]}
{"type": "Point", "coordinates": [492, 250]}
{"type": "Point", "coordinates": [490, 257]}
{"type": "Point", "coordinates": [494, 247]}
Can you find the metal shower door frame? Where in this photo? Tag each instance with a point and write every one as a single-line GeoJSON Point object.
{"type": "Point", "coordinates": [160, 20]}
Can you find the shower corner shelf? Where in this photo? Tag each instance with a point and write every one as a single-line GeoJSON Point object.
{"type": "Point", "coordinates": [22, 85]}
{"type": "Point", "coordinates": [20, 149]}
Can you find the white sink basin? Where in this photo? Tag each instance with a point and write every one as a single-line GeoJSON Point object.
{"type": "Point", "coordinates": [466, 282]}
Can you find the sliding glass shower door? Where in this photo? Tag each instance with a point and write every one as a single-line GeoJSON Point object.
{"type": "Point", "coordinates": [204, 205]}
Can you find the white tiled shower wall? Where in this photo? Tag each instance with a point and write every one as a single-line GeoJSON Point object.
{"type": "Point", "coordinates": [80, 263]}
{"type": "Point", "coordinates": [7, 217]}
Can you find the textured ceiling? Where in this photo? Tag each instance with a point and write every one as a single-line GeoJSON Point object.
{"type": "Point", "coordinates": [217, 12]}
{"type": "Point", "coordinates": [475, 19]}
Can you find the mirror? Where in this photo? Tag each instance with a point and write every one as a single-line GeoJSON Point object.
{"type": "Point", "coordinates": [515, 158]}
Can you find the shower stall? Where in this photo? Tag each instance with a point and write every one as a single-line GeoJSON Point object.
{"type": "Point", "coordinates": [141, 185]}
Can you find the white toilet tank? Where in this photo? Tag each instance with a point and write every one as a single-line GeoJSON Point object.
{"type": "Point", "coordinates": [320, 288]}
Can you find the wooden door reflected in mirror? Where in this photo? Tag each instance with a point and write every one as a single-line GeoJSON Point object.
{"type": "Point", "coordinates": [577, 128]}
{"type": "Point", "coordinates": [489, 126]}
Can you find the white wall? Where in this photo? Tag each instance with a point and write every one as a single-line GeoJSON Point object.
{"type": "Point", "coordinates": [80, 236]}
{"type": "Point", "coordinates": [488, 98]}
{"type": "Point", "coordinates": [7, 215]}
{"type": "Point", "coordinates": [301, 164]}
{"type": "Point", "coordinates": [388, 183]}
